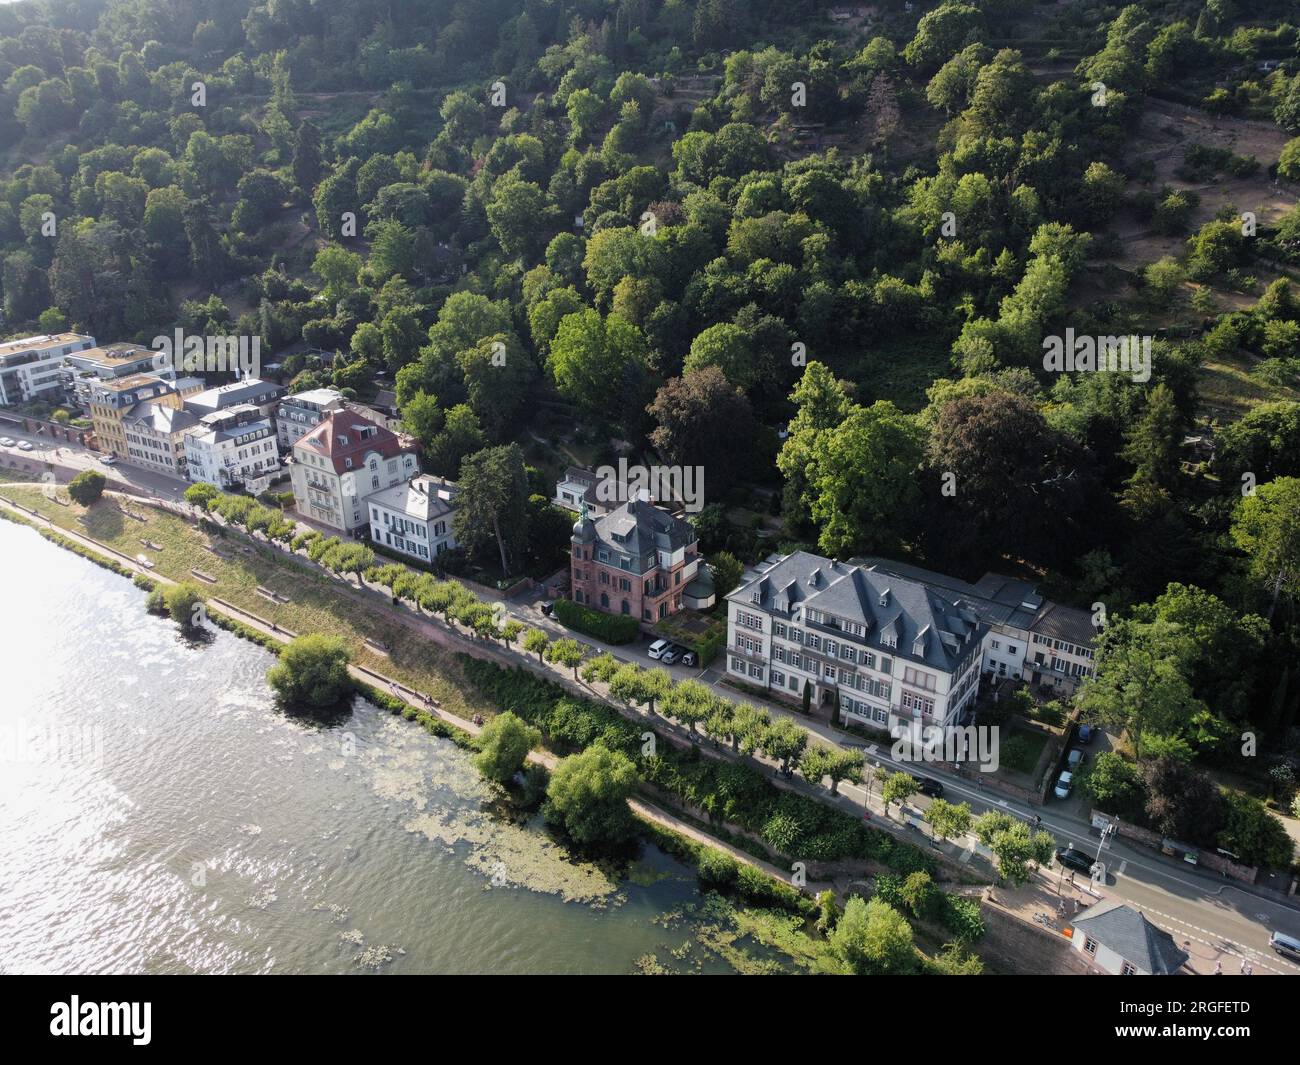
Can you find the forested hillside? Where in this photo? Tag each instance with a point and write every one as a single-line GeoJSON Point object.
{"type": "Point", "coordinates": [814, 250]}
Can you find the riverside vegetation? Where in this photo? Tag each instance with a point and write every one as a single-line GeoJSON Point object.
{"type": "Point", "coordinates": [585, 799]}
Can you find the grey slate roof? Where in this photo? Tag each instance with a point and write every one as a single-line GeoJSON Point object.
{"type": "Point", "coordinates": [159, 418]}
{"type": "Point", "coordinates": [1130, 935]}
{"type": "Point", "coordinates": [223, 397]}
{"type": "Point", "coordinates": [1065, 623]}
{"type": "Point", "coordinates": [422, 497]}
{"type": "Point", "coordinates": [928, 627]}
{"type": "Point", "coordinates": [1001, 600]}
{"type": "Point", "coordinates": [639, 528]}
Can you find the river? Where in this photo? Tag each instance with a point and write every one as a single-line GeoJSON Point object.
{"type": "Point", "coordinates": [159, 814]}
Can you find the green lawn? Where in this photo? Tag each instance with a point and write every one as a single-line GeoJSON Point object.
{"type": "Point", "coordinates": [318, 603]}
{"type": "Point", "coordinates": [1021, 750]}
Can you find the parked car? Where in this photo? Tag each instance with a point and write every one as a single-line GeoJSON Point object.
{"type": "Point", "coordinates": [1075, 759]}
{"type": "Point", "coordinates": [1287, 946]}
{"type": "Point", "coordinates": [671, 655]}
{"type": "Point", "coordinates": [7, 441]}
{"type": "Point", "coordinates": [657, 648]}
{"type": "Point", "coordinates": [109, 460]}
{"type": "Point", "coordinates": [24, 445]}
{"type": "Point", "coordinates": [688, 658]}
{"type": "Point", "coordinates": [1086, 732]}
{"type": "Point", "coordinates": [1075, 859]}
{"type": "Point", "coordinates": [1064, 783]}
{"type": "Point", "coordinates": [928, 786]}
{"type": "Point", "coordinates": [547, 609]}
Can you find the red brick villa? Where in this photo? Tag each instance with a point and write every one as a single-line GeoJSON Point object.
{"type": "Point", "coordinates": [638, 560]}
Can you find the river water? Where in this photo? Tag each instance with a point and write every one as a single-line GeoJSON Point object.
{"type": "Point", "coordinates": [158, 814]}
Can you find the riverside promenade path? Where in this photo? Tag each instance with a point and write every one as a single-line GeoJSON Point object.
{"type": "Point", "coordinates": [643, 808]}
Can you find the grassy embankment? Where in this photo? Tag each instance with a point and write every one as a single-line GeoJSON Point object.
{"type": "Point", "coordinates": [317, 602]}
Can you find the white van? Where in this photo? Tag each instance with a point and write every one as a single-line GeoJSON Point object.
{"type": "Point", "coordinates": [658, 648]}
{"type": "Point", "coordinates": [1287, 946]}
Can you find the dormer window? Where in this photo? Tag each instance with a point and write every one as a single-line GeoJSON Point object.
{"type": "Point", "coordinates": [888, 639]}
{"type": "Point", "coordinates": [343, 440]}
{"type": "Point", "coordinates": [757, 597]}
{"type": "Point", "coordinates": [884, 597]}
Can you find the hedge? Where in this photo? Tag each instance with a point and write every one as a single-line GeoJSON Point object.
{"type": "Point", "coordinates": [612, 628]}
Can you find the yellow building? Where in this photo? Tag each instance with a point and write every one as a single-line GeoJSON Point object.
{"type": "Point", "coordinates": [112, 401]}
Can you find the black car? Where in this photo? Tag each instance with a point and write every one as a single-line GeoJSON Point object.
{"type": "Point", "coordinates": [547, 609]}
{"type": "Point", "coordinates": [1076, 860]}
{"type": "Point", "coordinates": [927, 786]}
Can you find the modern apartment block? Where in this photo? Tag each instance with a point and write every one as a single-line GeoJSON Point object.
{"type": "Point", "coordinates": [638, 560]}
{"type": "Point", "coordinates": [342, 461]}
{"type": "Point", "coordinates": [82, 369]}
{"type": "Point", "coordinates": [891, 650]}
{"type": "Point", "coordinates": [1030, 638]}
{"type": "Point", "coordinates": [298, 414]}
{"type": "Point", "coordinates": [30, 366]}
{"type": "Point", "coordinates": [233, 446]}
{"type": "Point", "coordinates": [415, 517]}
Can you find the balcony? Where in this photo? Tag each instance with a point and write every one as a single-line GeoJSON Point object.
{"type": "Point", "coordinates": [745, 652]}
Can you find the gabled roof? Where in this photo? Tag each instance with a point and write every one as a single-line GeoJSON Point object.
{"type": "Point", "coordinates": [344, 435]}
{"type": "Point", "coordinates": [250, 390]}
{"type": "Point", "coordinates": [1130, 935]}
{"type": "Point", "coordinates": [924, 625]}
{"type": "Point", "coordinates": [1064, 623]}
{"type": "Point", "coordinates": [160, 418]}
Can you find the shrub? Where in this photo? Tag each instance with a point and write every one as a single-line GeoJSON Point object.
{"type": "Point", "coordinates": [717, 870]}
{"type": "Point", "coordinates": [312, 671]}
{"type": "Point", "coordinates": [505, 743]}
{"type": "Point", "coordinates": [961, 916]}
{"type": "Point", "coordinates": [86, 487]}
{"type": "Point", "coordinates": [611, 628]}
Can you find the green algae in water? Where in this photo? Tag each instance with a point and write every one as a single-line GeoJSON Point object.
{"type": "Point", "coordinates": [455, 807]}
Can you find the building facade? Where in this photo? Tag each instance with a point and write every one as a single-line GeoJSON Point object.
{"type": "Point", "coordinates": [890, 651]}
{"type": "Point", "coordinates": [112, 400]}
{"type": "Point", "coordinates": [30, 367]}
{"type": "Point", "coordinates": [1030, 638]}
{"type": "Point", "coordinates": [81, 369]}
{"type": "Point", "coordinates": [231, 447]}
{"type": "Point", "coordinates": [155, 437]}
{"type": "Point", "coordinates": [342, 461]}
{"type": "Point", "coordinates": [638, 560]}
{"type": "Point", "coordinates": [415, 517]}
{"type": "Point", "coordinates": [299, 414]}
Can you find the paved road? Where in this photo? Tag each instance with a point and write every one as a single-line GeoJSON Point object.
{"type": "Point", "coordinates": [46, 452]}
{"type": "Point", "coordinates": [1188, 902]}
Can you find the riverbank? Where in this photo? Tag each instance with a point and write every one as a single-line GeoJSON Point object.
{"type": "Point", "coordinates": [384, 690]}
{"type": "Point", "coordinates": [168, 542]}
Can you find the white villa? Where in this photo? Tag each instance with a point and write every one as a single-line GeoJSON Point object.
{"type": "Point", "coordinates": [414, 517]}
